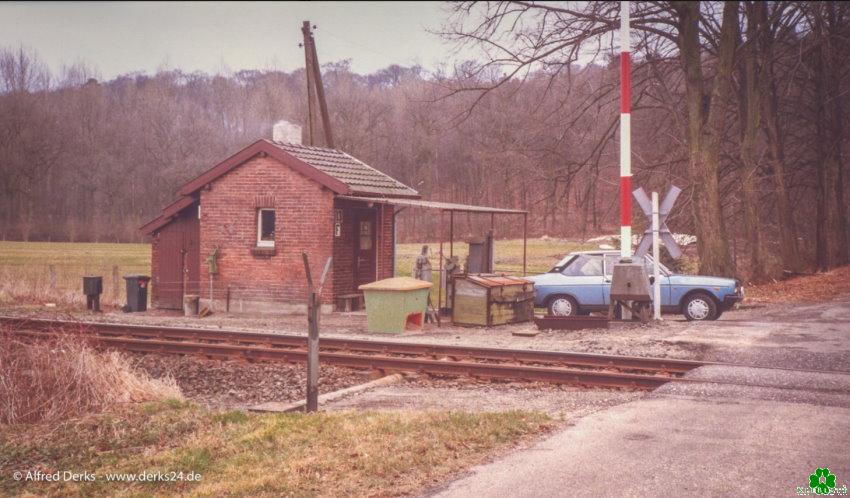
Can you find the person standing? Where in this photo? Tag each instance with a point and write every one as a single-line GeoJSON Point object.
{"type": "Point", "coordinates": [422, 266]}
{"type": "Point", "coordinates": [422, 271]}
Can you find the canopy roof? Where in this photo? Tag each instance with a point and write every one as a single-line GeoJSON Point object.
{"type": "Point", "coordinates": [443, 206]}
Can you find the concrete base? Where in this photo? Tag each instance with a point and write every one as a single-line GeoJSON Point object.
{"type": "Point", "coordinates": [262, 307]}
{"type": "Point", "coordinates": [276, 406]}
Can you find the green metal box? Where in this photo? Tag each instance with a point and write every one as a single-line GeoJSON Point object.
{"type": "Point", "coordinates": [393, 303]}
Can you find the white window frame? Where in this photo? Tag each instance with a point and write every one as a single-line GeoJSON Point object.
{"type": "Point", "coordinates": [260, 241]}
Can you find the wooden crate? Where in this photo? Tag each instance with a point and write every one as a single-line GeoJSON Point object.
{"type": "Point", "coordinates": [488, 300]}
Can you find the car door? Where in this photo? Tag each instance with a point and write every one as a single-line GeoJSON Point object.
{"type": "Point", "coordinates": [585, 280]}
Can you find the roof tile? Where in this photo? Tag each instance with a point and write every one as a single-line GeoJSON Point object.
{"type": "Point", "coordinates": [361, 178]}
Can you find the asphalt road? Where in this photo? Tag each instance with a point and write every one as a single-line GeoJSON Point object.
{"type": "Point", "coordinates": [741, 430]}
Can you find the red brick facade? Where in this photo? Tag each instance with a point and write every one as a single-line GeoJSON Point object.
{"type": "Point", "coordinates": [254, 279]}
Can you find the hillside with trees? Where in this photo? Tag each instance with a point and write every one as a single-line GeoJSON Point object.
{"type": "Point", "coordinates": [739, 103]}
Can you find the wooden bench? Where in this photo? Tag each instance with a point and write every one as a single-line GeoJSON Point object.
{"type": "Point", "coordinates": [349, 302]}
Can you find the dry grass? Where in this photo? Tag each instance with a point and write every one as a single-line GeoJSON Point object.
{"type": "Point", "coordinates": [247, 454]}
{"type": "Point", "coordinates": [46, 381]}
{"type": "Point", "coordinates": [25, 266]}
{"type": "Point", "coordinates": [25, 270]}
{"type": "Point", "coordinates": [807, 288]}
{"type": "Point", "coordinates": [542, 254]}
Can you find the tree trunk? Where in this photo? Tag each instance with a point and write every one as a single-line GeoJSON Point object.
{"type": "Point", "coordinates": [751, 117]}
{"type": "Point", "coordinates": [704, 138]}
{"type": "Point", "coordinates": [788, 243]}
{"type": "Point", "coordinates": [830, 219]}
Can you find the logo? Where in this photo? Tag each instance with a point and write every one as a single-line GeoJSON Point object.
{"type": "Point", "coordinates": [822, 481]}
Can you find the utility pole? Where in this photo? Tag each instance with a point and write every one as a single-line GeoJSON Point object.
{"type": "Point", "coordinates": [315, 85]}
{"type": "Point", "coordinates": [308, 73]}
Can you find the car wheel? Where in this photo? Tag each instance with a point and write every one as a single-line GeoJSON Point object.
{"type": "Point", "coordinates": [563, 306]}
{"type": "Point", "coordinates": [699, 307]}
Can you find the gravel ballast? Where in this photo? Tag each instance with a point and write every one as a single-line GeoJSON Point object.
{"type": "Point", "coordinates": [238, 384]}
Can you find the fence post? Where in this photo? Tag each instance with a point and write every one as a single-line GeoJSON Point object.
{"type": "Point", "coordinates": [51, 274]}
{"type": "Point", "coordinates": [314, 303]}
{"type": "Point", "coordinates": [116, 286]}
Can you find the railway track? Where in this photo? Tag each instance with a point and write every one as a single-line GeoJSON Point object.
{"type": "Point", "coordinates": [584, 369]}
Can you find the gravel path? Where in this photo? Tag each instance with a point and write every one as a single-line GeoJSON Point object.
{"type": "Point", "coordinates": [423, 393]}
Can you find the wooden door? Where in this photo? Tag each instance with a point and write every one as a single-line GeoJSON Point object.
{"type": "Point", "coordinates": [168, 278]}
{"type": "Point", "coordinates": [365, 249]}
{"type": "Point", "coordinates": [179, 260]}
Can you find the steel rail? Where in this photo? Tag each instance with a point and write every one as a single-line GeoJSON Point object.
{"type": "Point", "coordinates": [384, 363]}
{"type": "Point", "coordinates": [364, 345]}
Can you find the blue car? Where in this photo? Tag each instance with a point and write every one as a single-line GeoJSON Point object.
{"type": "Point", "coordinates": [581, 283]}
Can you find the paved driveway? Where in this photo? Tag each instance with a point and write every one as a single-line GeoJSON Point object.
{"type": "Point", "coordinates": [744, 431]}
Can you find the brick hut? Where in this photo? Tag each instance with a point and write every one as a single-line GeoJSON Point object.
{"type": "Point", "coordinates": [256, 211]}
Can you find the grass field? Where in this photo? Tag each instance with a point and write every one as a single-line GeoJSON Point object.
{"type": "Point", "coordinates": [25, 267]}
{"type": "Point", "coordinates": [542, 254]}
{"type": "Point", "coordinates": [239, 454]}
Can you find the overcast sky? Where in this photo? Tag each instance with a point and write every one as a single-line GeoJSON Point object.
{"type": "Point", "coordinates": [117, 38]}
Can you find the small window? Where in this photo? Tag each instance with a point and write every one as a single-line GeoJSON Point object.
{"type": "Point", "coordinates": [365, 235]}
{"type": "Point", "coordinates": [265, 227]}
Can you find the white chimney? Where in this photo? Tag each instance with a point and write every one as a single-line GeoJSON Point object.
{"type": "Point", "coordinates": [284, 131]}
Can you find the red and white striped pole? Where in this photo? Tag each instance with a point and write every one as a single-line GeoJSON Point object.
{"type": "Point", "coordinates": [625, 135]}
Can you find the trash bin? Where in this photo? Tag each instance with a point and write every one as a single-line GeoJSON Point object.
{"type": "Point", "coordinates": [392, 303]}
{"type": "Point", "coordinates": [137, 292]}
{"type": "Point", "coordinates": [93, 288]}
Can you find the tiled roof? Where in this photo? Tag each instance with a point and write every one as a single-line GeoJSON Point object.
{"type": "Point", "coordinates": [333, 169]}
{"type": "Point", "coordinates": [361, 178]}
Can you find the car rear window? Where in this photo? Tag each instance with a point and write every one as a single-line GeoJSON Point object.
{"type": "Point", "coordinates": [584, 266]}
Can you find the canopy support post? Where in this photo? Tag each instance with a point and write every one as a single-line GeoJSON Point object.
{"type": "Point", "coordinates": [524, 244]}
{"type": "Point", "coordinates": [440, 279]}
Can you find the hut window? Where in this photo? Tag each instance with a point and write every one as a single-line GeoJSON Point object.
{"type": "Point", "coordinates": [365, 236]}
{"type": "Point", "coordinates": [265, 227]}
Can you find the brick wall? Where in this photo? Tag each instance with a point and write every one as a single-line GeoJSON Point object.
{"type": "Point", "coordinates": [304, 221]}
